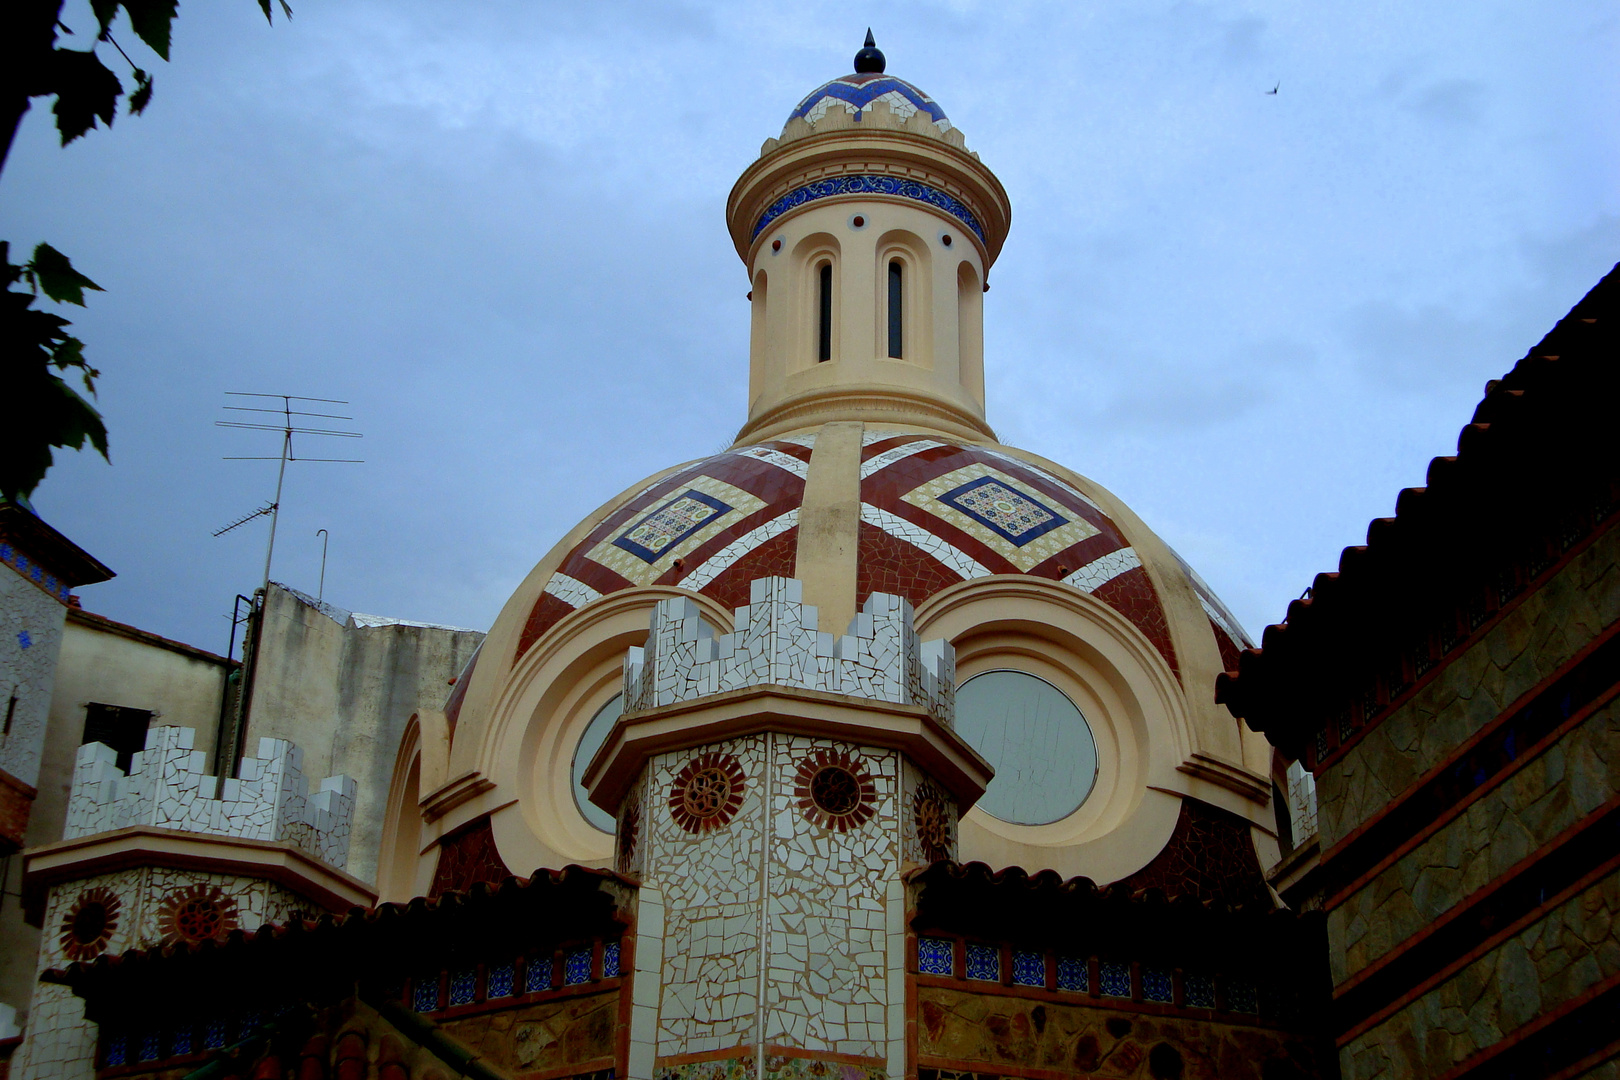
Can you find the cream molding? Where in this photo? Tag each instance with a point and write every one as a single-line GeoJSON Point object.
{"type": "Point", "coordinates": [464, 788]}
{"type": "Point", "coordinates": [144, 845]}
{"type": "Point", "coordinates": [909, 729]}
{"type": "Point", "coordinates": [1229, 775]}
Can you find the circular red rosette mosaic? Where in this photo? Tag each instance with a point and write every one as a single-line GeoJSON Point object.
{"type": "Point", "coordinates": [196, 913]}
{"type": "Point", "coordinates": [89, 924]}
{"type": "Point", "coordinates": [835, 790]}
{"type": "Point", "coordinates": [932, 816]}
{"type": "Point", "coordinates": [707, 793]}
{"type": "Point", "coordinates": [629, 833]}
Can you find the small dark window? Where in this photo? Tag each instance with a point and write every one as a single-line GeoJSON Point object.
{"type": "Point", "coordinates": [122, 728]}
{"type": "Point", "coordinates": [895, 312]}
{"type": "Point", "coordinates": [824, 330]}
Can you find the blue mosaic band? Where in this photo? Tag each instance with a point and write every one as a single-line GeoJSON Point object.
{"type": "Point", "coordinates": [869, 185]}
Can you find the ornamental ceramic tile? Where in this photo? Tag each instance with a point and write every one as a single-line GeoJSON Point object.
{"type": "Point", "coordinates": [1157, 985]}
{"type": "Point", "coordinates": [498, 983]}
{"type": "Point", "coordinates": [1115, 978]}
{"type": "Point", "coordinates": [983, 962]}
{"type": "Point", "coordinates": [1198, 990]}
{"type": "Point", "coordinates": [642, 549]}
{"type": "Point", "coordinates": [936, 956]}
{"type": "Point", "coordinates": [1241, 996]}
{"type": "Point", "coordinates": [1005, 514]}
{"type": "Point", "coordinates": [1029, 967]}
{"type": "Point", "coordinates": [1073, 974]}
{"type": "Point", "coordinates": [577, 966]}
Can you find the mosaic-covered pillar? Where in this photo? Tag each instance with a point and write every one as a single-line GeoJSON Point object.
{"type": "Point", "coordinates": [808, 774]}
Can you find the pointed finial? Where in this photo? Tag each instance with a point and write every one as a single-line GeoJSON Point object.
{"type": "Point", "coordinates": [870, 59]}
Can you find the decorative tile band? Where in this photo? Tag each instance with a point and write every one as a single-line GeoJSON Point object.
{"type": "Point", "coordinates": [34, 573]}
{"type": "Point", "coordinates": [869, 185]}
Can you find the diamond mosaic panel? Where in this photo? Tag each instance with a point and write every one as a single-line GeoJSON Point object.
{"type": "Point", "coordinates": [537, 975]}
{"type": "Point", "coordinates": [577, 966]}
{"type": "Point", "coordinates": [669, 524]}
{"type": "Point", "coordinates": [1156, 985]}
{"type": "Point", "coordinates": [1198, 990]}
{"type": "Point", "coordinates": [425, 994]}
{"type": "Point", "coordinates": [935, 956]}
{"type": "Point", "coordinates": [1073, 975]}
{"type": "Point", "coordinates": [499, 983]}
{"type": "Point", "coordinates": [1029, 968]}
{"type": "Point", "coordinates": [984, 962]}
{"type": "Point", "coordinates": [1011, 514]}
{"type": "Point", "coordinates": [117, 1050]}
{"type": "Point", "coordinates": [1241, 996]}
{"type": "Point", "coordinates": [1115, 978]}
{"type": "Point", "coordinates": [463, 987]}
{"type": "Point", "coordinates": [610, 960]}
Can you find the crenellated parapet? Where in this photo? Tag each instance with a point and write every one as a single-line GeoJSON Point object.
{"type": "Point", "coordinates": [167, 787]}
{"type": "Point", "coordinates": [778, 642]}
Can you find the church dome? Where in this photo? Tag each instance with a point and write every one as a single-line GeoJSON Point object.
{"type": "Point", "coordinates": [933, 514]}
{"type": "Point", "coordinates": [866, 467]}
{"type": "Point", "coordinates": [857, 93]}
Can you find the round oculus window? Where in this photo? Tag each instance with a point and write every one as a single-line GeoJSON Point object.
{"type": "Point", "coordinates": [596, 733]}
{"type": "Point", "coordinates": [1041, 747]}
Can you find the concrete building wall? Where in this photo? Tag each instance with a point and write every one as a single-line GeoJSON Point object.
{"type": "Point", "coordinates": [343, 686]}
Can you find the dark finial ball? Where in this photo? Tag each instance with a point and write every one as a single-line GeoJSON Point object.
{"type": "Point", "coordinates": [869, 61]}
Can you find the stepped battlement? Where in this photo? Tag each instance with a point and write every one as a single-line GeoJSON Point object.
{"type": "Point", "coordinates": [778, 642]}
{"type": "Point", "coordinates": [167, 787]}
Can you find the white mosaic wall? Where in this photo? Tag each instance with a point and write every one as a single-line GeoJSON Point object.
{"type": "Point", "coordinates": [30, 641]}
{"type": "Point", "coordinates": [168, 788]}
{"type": "Point", "coordinates": [913, 781]}
{"type": "Point", "coordinates": [778, 642]}
{"type": "Point", "coordinates": [826, 968]}
{"type": "Point", "coordinates": [59, 1042]}
{"type": "Point", "coordinates": [711, 887]}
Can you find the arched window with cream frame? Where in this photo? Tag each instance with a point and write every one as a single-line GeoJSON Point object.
{"type": "Point", "coordinates": [970, 330]}
{"type": "Point", "coordinates": [903, 302]}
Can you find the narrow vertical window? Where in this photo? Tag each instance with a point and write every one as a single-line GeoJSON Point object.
{"type": "Point", "coordinates": [824, 330]}
{"type": "Point", "coordinates": [895, 313]}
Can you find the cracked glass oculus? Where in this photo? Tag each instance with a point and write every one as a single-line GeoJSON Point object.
{"type": "Point", "coordinates": [1041, 747]}
{"type": "Point", "coordinates": [596, 732]}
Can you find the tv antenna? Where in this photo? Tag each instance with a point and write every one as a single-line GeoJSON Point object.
{"type": "Point", "coordinates": [292, 422]}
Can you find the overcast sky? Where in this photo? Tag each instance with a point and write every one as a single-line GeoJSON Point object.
{"type": "Point", "coordinates": [498, 229]}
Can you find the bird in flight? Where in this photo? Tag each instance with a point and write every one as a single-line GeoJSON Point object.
{"type": "Point", "coordinates": [1274, 89]}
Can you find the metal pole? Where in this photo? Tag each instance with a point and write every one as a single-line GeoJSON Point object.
{"type": "Point", "coordinates": [325, 536]}
{"type": "Point", "coordinates": [275, 507]}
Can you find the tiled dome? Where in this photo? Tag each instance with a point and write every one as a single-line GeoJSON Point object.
{"type": "Point", "coordinates": [933, 514]}
{"type": "Point", "coordinates": [857, 93]}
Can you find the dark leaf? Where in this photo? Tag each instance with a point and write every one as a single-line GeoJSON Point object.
{"type": "Point", "coordinates": [151, 20]}
{"type": "Point", "coordinates": [142, 95]}
{"type": "Point", "coordinates": [85, 89]}
{"type": "Point", "coordinates": [264, 6]}
{"type": "Point", "coordinates": [53, 272]}
{"type": "Point", "coordinates": [105, 11]}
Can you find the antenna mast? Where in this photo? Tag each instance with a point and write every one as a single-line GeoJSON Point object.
{"type": "Point", "coordinates": [288, 427]}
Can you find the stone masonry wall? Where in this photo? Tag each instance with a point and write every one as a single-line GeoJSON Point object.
{"type": "Point", "coordinates": [1543, 632]}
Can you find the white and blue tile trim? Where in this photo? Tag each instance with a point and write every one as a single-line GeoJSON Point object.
{"type": "Point", "coordinates": [869, 185]}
